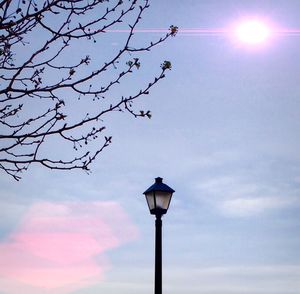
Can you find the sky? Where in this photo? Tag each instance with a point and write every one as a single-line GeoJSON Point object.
{"type": "Point", "coordinates": [224, 135]}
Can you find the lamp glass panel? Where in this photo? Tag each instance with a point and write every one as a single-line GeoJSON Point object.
{"type": "Point", "coordinates": [150, 200]}
{"type": "Point", "coordinates": [163, 199]}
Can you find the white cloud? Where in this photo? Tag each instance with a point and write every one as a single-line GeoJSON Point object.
{"type": "Point", "coordinates": [277, 279]}
{"type": "Point", "coordinates": [241, 207]}
{"type": "Point", "coordinates": [234, 280]}
{"type": "Point", "coordinates": [228, 187]}
{"type": "Point", "coordinates": [239, 196]}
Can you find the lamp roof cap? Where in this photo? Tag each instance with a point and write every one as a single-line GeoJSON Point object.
{"type": "Point", "coordinates": [159, 186]}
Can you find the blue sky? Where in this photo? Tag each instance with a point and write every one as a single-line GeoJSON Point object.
{"type": "Point", "coordinates": [224, 134]}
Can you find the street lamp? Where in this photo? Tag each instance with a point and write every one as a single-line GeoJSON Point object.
{"type": "Point", "coordinates": [158, 197]}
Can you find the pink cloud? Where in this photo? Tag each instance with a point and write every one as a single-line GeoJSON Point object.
{"type": "Point", "coordinates": [61, 246]}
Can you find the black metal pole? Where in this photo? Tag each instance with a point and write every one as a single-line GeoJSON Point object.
{"type": "Point", "coordinates": [158, 256]}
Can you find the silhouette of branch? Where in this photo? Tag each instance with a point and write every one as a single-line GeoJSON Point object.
{"type": "Point", "coordinates": [48, 95]}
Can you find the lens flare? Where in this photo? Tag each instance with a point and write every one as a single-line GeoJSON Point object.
{"type": "Point", "coordinates": [252, 32]}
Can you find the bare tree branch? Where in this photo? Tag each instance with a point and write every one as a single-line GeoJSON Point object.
{"type": "Point", "coordinates": [47, 95]}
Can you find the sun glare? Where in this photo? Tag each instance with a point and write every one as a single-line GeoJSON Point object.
{"type": "Point", "coordinates": [252, 32]}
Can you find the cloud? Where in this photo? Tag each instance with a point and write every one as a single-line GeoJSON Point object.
{"type": "Point", "coordinates": [257, 279]}
{"type": "Point", "coordinates": [244, 196]}
{"type": "Point", "coordinates": [61, 246]}
{"type": "Point", "coordinates": [242, 207]}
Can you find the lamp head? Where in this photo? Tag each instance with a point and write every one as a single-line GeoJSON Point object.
{"type": "Point", "coordinates": [158, 197]}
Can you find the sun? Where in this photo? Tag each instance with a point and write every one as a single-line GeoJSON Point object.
{"type": "Point", "coordinates": [252, 32]}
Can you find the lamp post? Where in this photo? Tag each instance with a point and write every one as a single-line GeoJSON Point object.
{"type": "Point", "coordinates": [158, 198]}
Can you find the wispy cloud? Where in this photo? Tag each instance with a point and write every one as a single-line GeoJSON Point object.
{"type": "Point", "coordinates": [241, 207]}
{"type": "Point", "coordinates": [275, 279]}
{"type": "Point", "coordinates": [256, 279]}
{"type": "Point", "coordinates": [245, 196]}
{"type": "Point", "coordinates": [61, 246]}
